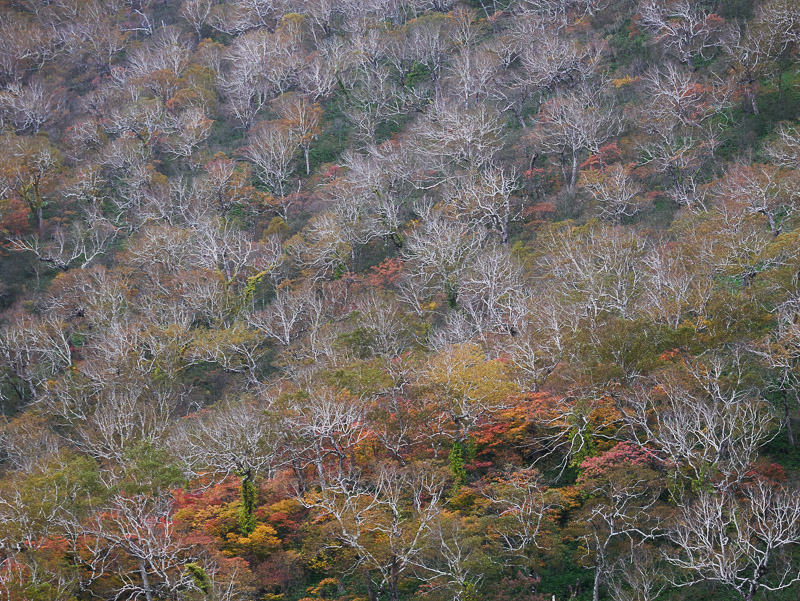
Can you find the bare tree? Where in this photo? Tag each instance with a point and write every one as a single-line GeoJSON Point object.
{"type": "Point", "coordinates": [619, 510]}
{"type": "Point", "coordinates": [553, 63]}
{"type": "Point", "coordinates": [681, 27]}
{"type": "Point", "coordinates": [523, 503]}
{"type": "Point", "coordinates": [596, 268]}
{"type": "Point", "coordinates": [186, 132]}
{"type": "Point", "coordinates": [639, 577]}
{"type": "Point", "coordinates": [110, 418]}
{"type": "Point", "coordinates": [31, 352]}
{"type": "Point", "coordinates": [615, 191]}
{"type": "Point", "coordinates": [324, 247]}
{"type": "Point", "coordinates": [756, 46]}
{"type": "Point", "coordinates": [491, 292]}
{"type": "Point", "coordinates": [321, 71]}
{"type": "Point", "coordinates": [79, 243]}
{"type": "Point", "coordinates": [439, 251]}
{"type": "Point", "coordinates": [232, 438]}
{"type": "Point", "coordinates": [147, 554]}
{"type": "Point", "coordinates": [196, 13]}
{"type": "Point", "coordinates": [452, 562]}
{"type": "Point", "coordinates": [28, 443]}
{"type": "Point", "coordinates": [395, 506]}
{"type": "Point", "coordinates": [679, 286]}
{"type": "Point", "coordinates": [374, 99]}
{"type": "Point", "coordinates": [739, 540]}
{"type": "Point", "coordinates": [163, 51]}
{"type": "Point", "coordinates": [784, 151]}
{"type": "Point", "coordinates": [539, 344]}
{"type": "Point", "coordinates": [303, 118]}
{"type": "Point", "coordinates": [710, 427]}
{"type": "Point", "coordinates": [257, 66]}
{"type": "Point", "coordinates": [236, 349]}
{"type": "Point", "coordinates": [488, 198]}
{"type": "Point", "coordinates": [270, 148]}
{"type": "Point", "coordinates": [28, 167]}
{"type": "Point", "coordinates": [229, 252]}
{"type": "Point", "coordinates": [758, 190]}
{"type": "Point", "coordinates": [284, 320]}
{"type": "Point", "coordinates": [29, 107]}
{"type": "Point", "coordinates": [455, 137]}
{"type": "Point", "coordinates": [572, 124]}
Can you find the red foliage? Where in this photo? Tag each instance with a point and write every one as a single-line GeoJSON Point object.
{"type": "Point", "coordinates": [14, 220]}
{"type": "Point", "coordinates": [540, 208]}
{"type": "Point", "coordinates": [767, 472]}
{"type": "Point", "coordinates": [622, 455]}
{"type": "Point", "coordinates": [386, 274]}
{"type": "Point", "coordinates": [606, 155]}
{"type": "Point", "coordinates": [519, 588]}
{"type": "Point", "coordinates": [279, 572]}
{"type": "Point", "coordinates": [331, 173]}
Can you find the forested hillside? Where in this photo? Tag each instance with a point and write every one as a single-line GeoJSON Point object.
{"type": "Point", "coordinates": [393, 300]}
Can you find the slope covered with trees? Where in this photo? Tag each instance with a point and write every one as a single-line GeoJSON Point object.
{"type": "Point", "coordinates": [389, 300]}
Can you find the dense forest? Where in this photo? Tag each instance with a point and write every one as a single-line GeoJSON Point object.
{"type": "Point", "coordinates": [393, 300]}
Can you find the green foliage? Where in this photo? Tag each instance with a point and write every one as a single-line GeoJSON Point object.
{"type": "Point", "coordinates": [66, 485]}
{"type": "Point", "coordinates": [150, 469]}
{"type": "Point", "coordinates": [333, 139]}
{"type": "Point", "coordinates": [782, 453]}
{"type": "Point", "coordinates": [451, 294]}
{"type": "Point", "coordinates": [747, 130]}
{"type": "Point", "coordinates": [624, 347]}
{"type": "Point", "coordinates": [565, 578]}
{"type": "Point", "coordinates": [17, 270]}
{"type": "Point", "coordinates": [199, 576]}
{"type": "Point", "coordinates": [249, 498]}
{"type": "Point", "coordinates": [418, 73]}
{"type": "Point", "coordinates": [277, 226]}
{"type": "Point", "coordinates": [359, 340]}
{"type": "Point", "coordinates": [629, 47]}
{"type": "Point", "coordinates": [249, 291]}
{"type": "Point", "coordinates": [362, 378]}
{"type": "Point", "coordinates": [457, 469]}
{"type": "Point", "coordinates": [734, 9]}
{"type": "Point", "coordinates": [585, 444]}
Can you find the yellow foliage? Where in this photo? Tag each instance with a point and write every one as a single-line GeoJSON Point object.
{"type": "Point", "coordinates": [624, 81]}
{"type": "Point", "coordinates": [463, 374]}
{"type": "Point", "coordinates": [262, 541]}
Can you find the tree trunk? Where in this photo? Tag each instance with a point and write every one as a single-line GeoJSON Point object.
{"type": "Point", "coordinates": [596, 585]}
{"type": "Point", "coordinates": [148, 590]}
{"type": "Point", "coordinates": [504, 221]}
{"type": "Point", "coordinates": [759, 572]}
{"type": "Point", "coordinates": [751, 93]}
{"type": "Point", "coordinates": [786, 419]}
{"type": "Point", "coordinates": [394, 580]}
{"type": "Point", "coordinates": [518, 115]}
{"type": "Point", "coordinates": [573, 180]}
{"type": "Point", "coordinates": [306, 151]}
{"type": "Point", "coordinates": [302, 485]}
{"type": "Point", "coordinates": [370, 589]}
